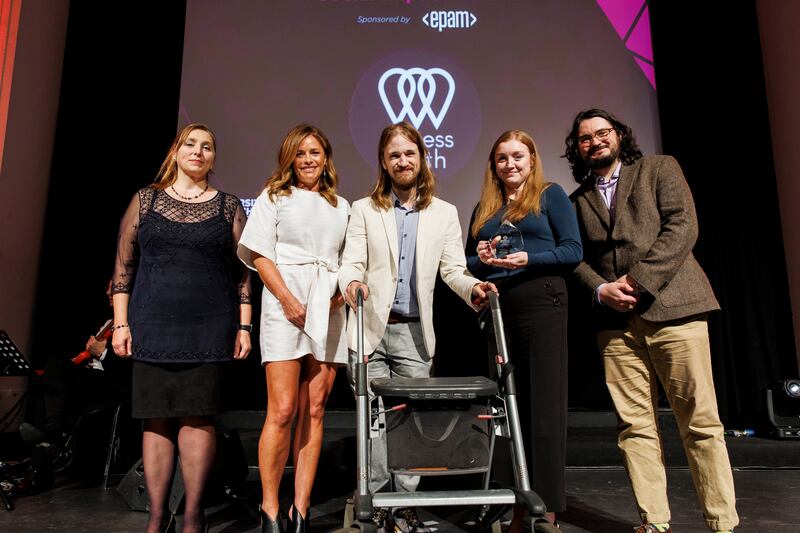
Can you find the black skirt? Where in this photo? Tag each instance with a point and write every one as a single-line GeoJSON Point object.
{"type": "Point", "coordinates": [171, 390]}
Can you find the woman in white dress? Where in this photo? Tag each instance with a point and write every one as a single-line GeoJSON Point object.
{"type": "Point", "coordinates": [294, 238]}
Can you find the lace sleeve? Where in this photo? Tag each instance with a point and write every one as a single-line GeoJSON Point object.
{"type": "Point", "coordinates": [127, 248]}
{"type": "Point", "coordinates": [242, 272]}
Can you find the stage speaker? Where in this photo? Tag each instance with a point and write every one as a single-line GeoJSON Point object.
{"type": "Point", "coordinates": [228, 474]}
{"type": "Point", "coordinates": [230, 467]}
{"type": "Point", "coordinates": [133, 489]}
{"type": "Point", "coordinates": [783, 409]}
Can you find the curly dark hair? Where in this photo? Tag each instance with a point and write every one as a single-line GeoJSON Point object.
{"type": "Point", "coordinates": [628, 149]}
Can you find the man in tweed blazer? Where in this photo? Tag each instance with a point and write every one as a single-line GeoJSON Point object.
{"type": "Point", "coordinates": [650, 299]}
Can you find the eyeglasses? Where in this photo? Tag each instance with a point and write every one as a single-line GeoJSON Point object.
{"type": "Point", "coordinates": [600, 135]}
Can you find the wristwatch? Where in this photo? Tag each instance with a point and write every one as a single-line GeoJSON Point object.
{"type": "Point", "coordinates": [246, 327]}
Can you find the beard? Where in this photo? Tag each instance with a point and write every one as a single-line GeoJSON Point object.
{"type": "Point", "coordinates": [404, 183]}
{"type": "Point", "coordinates": [605, 161]}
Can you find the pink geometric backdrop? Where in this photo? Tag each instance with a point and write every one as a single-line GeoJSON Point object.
{"type": "Point", "coordinates": [631, 20]}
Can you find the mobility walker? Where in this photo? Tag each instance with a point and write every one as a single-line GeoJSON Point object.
{"type": "Point", "coordinates": [442, 426]}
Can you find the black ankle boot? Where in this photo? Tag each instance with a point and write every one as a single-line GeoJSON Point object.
{"type": "Point", "coordinates": [297, 524]}
{"type": "Point", "coordinates": [269, 525]}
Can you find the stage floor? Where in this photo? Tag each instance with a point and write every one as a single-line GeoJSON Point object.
{"type": "Point", "coordinates": [599, 499]}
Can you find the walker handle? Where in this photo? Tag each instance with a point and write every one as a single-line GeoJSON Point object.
{"type": "Point", "coordinates": [361, 368]}
{"type": "Point", "coordinates": [360, 297]}
{"type": "Point", "coordinates": [494, 301]}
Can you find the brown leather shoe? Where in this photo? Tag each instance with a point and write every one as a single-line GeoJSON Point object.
{"type": "Point", "coordinates": [650, 528]}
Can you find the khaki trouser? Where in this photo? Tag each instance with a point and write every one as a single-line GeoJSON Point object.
{"type": "Point", "coordinates": [677, 353]}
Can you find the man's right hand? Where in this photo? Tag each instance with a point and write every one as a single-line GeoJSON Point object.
{"type": "Point", "coordinates": [618, 295]}
{"type": "Point", "coordinates": [95, 347]}
{"type": "Point", "coordinates": [352, 287]}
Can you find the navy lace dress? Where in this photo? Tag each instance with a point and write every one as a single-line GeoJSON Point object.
{"type": "Point", "coordinates": [177, 260]}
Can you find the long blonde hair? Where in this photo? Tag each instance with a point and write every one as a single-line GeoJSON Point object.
{"type": "Point", "coordinates": [381, 194]}
{"type": "Point", "coordinates": [493, 194]}
{"type": "Point", "coordinates": [282, 179]}
{"type": "Point", "coordinates": [168, 172]}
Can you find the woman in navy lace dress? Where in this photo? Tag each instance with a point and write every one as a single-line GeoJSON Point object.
{"type": "Point", "coordinates": [181, 307]}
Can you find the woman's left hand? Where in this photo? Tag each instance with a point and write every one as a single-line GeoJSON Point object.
{"type": "Point", "coordinates": [512, 261]}
{"type": "Point", "coordinates": [241, 348]}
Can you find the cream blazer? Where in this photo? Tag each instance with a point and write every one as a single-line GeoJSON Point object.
{"type": "Point", "coordinates": [370, 256]}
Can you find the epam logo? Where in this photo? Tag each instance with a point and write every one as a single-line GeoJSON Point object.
{"type": "Point", "coordinates": [449, 20]}
{"type": "Point", "coordinates": [416, 89]}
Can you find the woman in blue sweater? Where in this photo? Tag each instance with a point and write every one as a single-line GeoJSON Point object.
{"type": "Point", "coordinates": [529, 273]}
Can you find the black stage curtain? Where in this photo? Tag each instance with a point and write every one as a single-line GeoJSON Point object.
{"type": "Point", "coordinates": [119, 102]}
{"type": "Point", "coordinates": [714, 120]}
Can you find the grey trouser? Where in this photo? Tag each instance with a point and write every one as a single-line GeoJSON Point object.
{"type": "Point", "coordinates": [401, 353]}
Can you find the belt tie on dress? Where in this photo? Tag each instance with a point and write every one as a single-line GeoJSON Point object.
{"type": "Point", "coordinates": [318, 304]}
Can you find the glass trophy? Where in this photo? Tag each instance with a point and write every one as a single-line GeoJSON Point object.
{"type": "Point", "coordinates": [510, 240]}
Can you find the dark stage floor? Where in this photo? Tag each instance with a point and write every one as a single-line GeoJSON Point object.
{"type": "Point", "coordinates": [766, 472]}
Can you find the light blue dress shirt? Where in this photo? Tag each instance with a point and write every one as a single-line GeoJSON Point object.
{"type": "Point", "coordinates": [405, 299]}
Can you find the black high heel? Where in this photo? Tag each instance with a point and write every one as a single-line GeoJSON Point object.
{"type": "Point", "coordinates": [268, 525]}
{"type": "Point", "coordinates": [297, 524]}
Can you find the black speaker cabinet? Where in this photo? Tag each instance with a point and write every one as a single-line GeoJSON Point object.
{"type": "Point", "coordinates": [133, 489]}
{"type": "Point", "coordinates": [229, 472]}
{"type": "Point", "coordinates": [783, 414]}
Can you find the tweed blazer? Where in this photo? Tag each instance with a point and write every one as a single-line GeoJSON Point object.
{"type": "Point", "coordinates": [651, 238]}
{"type": "Point", "coordinates": [370, 256]}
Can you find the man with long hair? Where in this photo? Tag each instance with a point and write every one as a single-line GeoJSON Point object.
{"type": "Point", "coordinates": [638, 227]}
{"type": "Point", "coordinates": [397, 240]}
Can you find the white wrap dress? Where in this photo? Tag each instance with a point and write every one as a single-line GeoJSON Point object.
{"type": "Point", "coordinates": [303, 235]}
